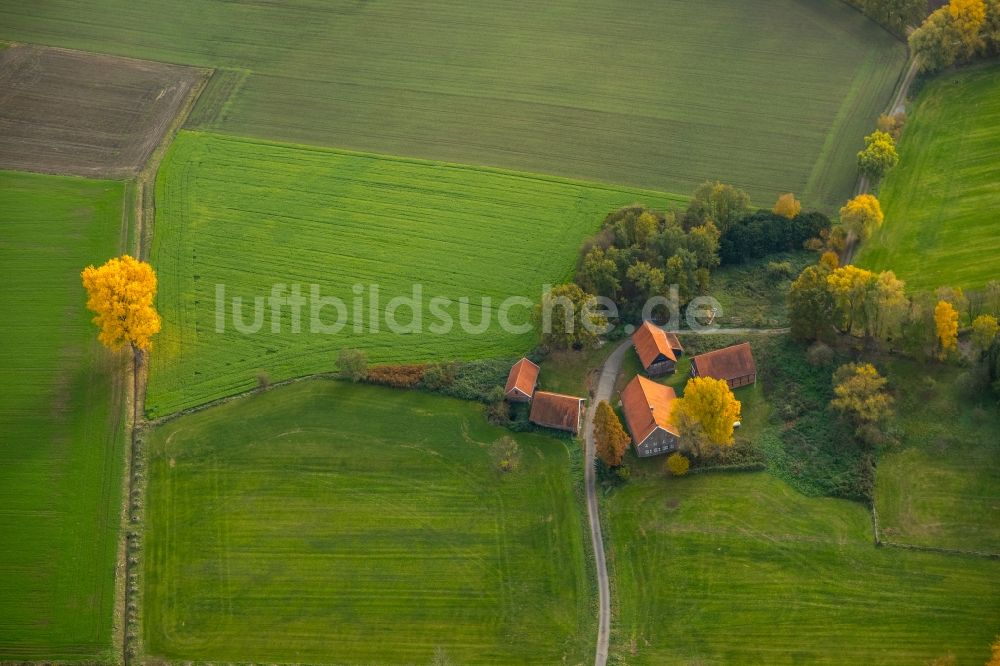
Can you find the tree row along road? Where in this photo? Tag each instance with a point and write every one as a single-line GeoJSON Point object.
{"type": "Point", "coordinates": [605, 385]}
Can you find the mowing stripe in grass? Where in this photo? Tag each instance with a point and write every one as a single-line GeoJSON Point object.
{"type": "Point", "coordinates": [941, 223]}
{"type": "Point", "coordinates": [325, 522]}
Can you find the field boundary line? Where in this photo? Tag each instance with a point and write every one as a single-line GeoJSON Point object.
{"type": "Point", "coordinates": [127, 623]}
{"type": "Point", "coordinates": [940, 550]}
{"type": "Point", "coordinates": [527, 175]}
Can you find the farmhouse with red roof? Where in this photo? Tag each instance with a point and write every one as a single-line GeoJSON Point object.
{"type": "Point", "coordinates": [657, 349]}
{"type": "Point", "coordinates": [734, 364]}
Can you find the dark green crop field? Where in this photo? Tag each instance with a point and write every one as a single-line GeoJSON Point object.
{"type": "Point", "coordinates": [331, 523]}
{"type": "Point", "coordinates": [773, 97]}
{"type": "Point", "coordinates": [941, 222]}
{"type": "Point", "coordinates": [741, 568]}
{"type": "Point", "coordinates": [249, 215]}
{"type": "Point", "coordinates": [60, 433]}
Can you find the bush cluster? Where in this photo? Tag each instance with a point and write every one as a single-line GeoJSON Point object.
{"type": "Point", "coordinates": [765, 232]}
{"type": "Point", "coordinates": [396, 376]}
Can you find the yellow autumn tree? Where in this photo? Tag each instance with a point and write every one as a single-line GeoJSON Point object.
{"type": "Point", "coordinates": [850, 287]}
{"type": "Point", "coordinates": [787, 206]}
{"type": "Point", "coordinates": [708, 411]}
{"type": "Point", "coordinates": [995, 653]}
{"type": "Point", "coordinates": [967, 17]}
{"type": "Point", "coordinates": [862, 215]}
{"type": "Point", "coordinates": [120, 293]}
{"type": "Point", "coordinates": [610, 438]}
{"type": "Point", "coordinates": [946, 326]}
{"type": "Point", "coordinates": [678, 464]}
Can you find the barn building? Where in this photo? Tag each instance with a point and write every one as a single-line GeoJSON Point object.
{"type": "Point", "coordinates": [734, 364]}
{"type": "Point", "coordinates": [555, 410]}
{"type": "Point", "coordinates": [647, 407]}
{"type": "Point", "coordinates": [657, 349]}
{"type": "Point", "coordinates": [521, 381]}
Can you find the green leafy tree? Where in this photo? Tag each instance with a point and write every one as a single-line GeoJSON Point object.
{"type": "Point", "coordinates": [598, 273]}
{"type": "Point", "coordinates": [644, 281]}
{"type": "Point", "coordinates": [352, 364]}
{"type": "Point", "coordinates": [569, 318]}
{"type": "Point", "coordinates": [811, 304]}
{"type": "Point", "coordinates": [720, 203]}
{"type": "Point", "coordinates": [984, 332]}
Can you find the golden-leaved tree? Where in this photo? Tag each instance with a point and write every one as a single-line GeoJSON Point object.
{"type": "Point", "coordinates": [879, 155]}
{"type": "Point", "coordinates": [787, 206]}
{"type": "Point", "coordinates": [862, 215]}
{"type": "Point", "coordinates": [946, 326]}
{"type": "Point", "coordinates": [678, 464]}
{"type": "Point", "coordinates": [850, 287]}
{"type": "Point", "coordinates": [861, 394]}
{"type": "Point", "coordinates": [706, 414]}
{"type": "Point", "coordinates": [610, 438]}
{"type": "Point", "coordinates": [120, 294]}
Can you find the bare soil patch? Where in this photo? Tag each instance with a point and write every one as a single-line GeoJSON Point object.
{"type": "Point", "coordinates": [86, 114]}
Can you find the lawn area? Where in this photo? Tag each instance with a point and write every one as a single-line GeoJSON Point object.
{"type": "Point", "coordinates": [332, 523]}
{"type": "Point", "coordinates": [942, 486]}
{"type": "Point", "coordinates": [741, 568]}
{"type": "Point", "coordinates": [777, 100]}
{"type": "Point", "coordinates": [60, 432]}
{"type": "Point", "coordinates": [940, 203]}
{"type": "Point", "coordinates": [249, 215]}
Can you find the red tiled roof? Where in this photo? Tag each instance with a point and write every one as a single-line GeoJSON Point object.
{"type": "Point", "coordinates": [554, 410]}
{"type": "Point", "coordinates": [673, 341]}
{"type": "Point", "coordinates": [646, 405]}
{"type": "Point", "coordinates": [523, 377]}
{"type": "Point", "coordinates": [650, 341]}
{"type": "Point", "coordinates": [728, 363]}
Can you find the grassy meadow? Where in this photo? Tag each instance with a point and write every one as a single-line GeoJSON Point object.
{"type": "Point", "coordinates": [741, 568]}
{"type": "Point", "coordinates": [941, 487]}
{"type": "Point", "coordinates": [940, 203]}
{"type": "Point", "coordinates": [777, 99]}
{"type": "Point", "coordinates": [60, 432]}
{"type": "Point", "coordinates": [335, 523]}
{"type": "Point", "coordinates": [248, 215]}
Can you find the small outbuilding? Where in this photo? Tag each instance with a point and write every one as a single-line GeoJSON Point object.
{"type": "Point", "coordinates": [734, 364]}
{"type": "Point", "coordinates": [521, 381]}
{"type": "Point", "coordinates": [657, 349]}
{"type": "Point", "coordinates": [647, 406]}
{"type": "Point", "coordinates": [555, 410]}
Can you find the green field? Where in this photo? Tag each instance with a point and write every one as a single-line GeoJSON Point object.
{"type": "Point", "coordinates": [941, 488]}
{"type": "Point", "coordinates": [248, 215]}
{"type": "Point", "coordinates": [940, 203]}
{"type": "Point", "coordinates": [740, 568]}
{"type": "Point", "coordinates": [60, 434]}
{"type": "Point", "coordinates": [772, 97]}
{"type": "Point", "coordinates": [333, 523]}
